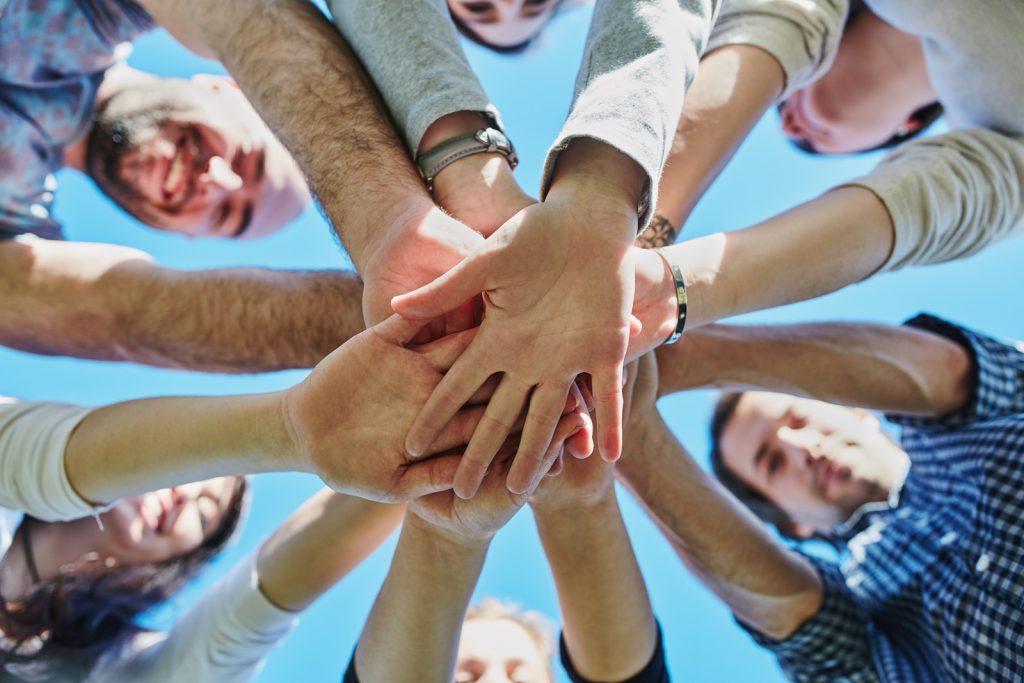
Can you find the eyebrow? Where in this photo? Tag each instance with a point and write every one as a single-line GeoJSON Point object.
{"type": "Point", "coordinates": [246, 221]}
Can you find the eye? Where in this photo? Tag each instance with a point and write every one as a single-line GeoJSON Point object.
{"type": "Point", "coordinates": [220, 215]}
{"type": "Point", "coordinates": [477, 7]}
{"type": "Point", "coordinates": [206, 507]}
{"type": "Point", "coordinates": [774, 463]}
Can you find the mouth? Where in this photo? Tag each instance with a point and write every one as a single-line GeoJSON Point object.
{"type": "Point", "coordinates": [828, 471]}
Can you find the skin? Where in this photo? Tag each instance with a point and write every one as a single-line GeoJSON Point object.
{"type": "Point", "coordinates": [818, 462]}
{"type": "Point", "coordinates": [877, 81]}
{"type": "Point", "coordinates": [149, 528]}
{"type": "Point", "coordinates": [210, 167]}
{"type": "Point", "coordinates": [498, 651]}
{"type": "Point", "coordinates": [504, 23]}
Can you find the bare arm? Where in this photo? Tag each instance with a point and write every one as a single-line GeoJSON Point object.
{"type": "Point", "coordinates": [321, 542]}
{"type": "Point", "coordinates": [894, 369]}
{"type": "Point", "coordinates": [609, 626]}
{"type": "Point", "coordinates": [107, 302]}
{"type": "Point", "coordinates": [734, 87]}
{"type": "Point", "coordinates": [767, 585]}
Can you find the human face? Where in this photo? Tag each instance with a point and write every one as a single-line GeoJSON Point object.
{"type": "Point", "coordinates": [869, 95]}
{"type": "Point", "coordinates": [504, 23]}
{"type": "Point", "coordinates": [816, 461]}
{"type": "Point", "coordinates": [210, 167]}
{"type": "Point", "coordinates": [159, 525]}
{"type": "Point", "coordinates": [498, 651]}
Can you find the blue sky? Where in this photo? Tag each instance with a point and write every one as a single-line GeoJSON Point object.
{"type": "Point", "coordinates": [533, 92]}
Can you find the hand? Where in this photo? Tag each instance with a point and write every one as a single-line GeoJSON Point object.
{"type": "Point", "coordinates": [481, 191]}
{"type": "Point", "coordinates": [347, 419]}
{"type": "Point", "coordinates": [493, 505]}
{"type": "Point", "coordinates": [421, 245]}
{"type": "Point", "coordinates": [558, 284]}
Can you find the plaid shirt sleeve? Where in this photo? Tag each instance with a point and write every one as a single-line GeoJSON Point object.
{"type": "Point", "coordinates": [834, 644]}
{"type": "Point", "coordinates": [998, 374]}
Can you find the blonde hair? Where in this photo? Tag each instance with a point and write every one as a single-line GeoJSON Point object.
{"type": "Point", "coordinates": [538, 626]}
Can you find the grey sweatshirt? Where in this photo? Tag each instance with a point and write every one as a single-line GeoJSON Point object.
{"type": "Point", "coordinates": [639, 58]}
{"type": "Point", "coordinates": [949, 195]}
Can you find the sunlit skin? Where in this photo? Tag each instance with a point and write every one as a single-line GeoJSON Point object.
{"type": "Point", "coordinates": [499, 651]}
{"type": "Point", "coordinates": [504, 23]}
{"type": "Point", "coordinates": [818, 462]}
{"type": "Point", "coordinates": [877, 81]}
{"type": "Point", "coordinates": [153, 527]}
{"type": "Point", "coordinates": [209, 168]}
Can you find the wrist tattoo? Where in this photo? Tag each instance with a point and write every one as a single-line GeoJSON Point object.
{"type": "Point", "coordinates": [660, 233]}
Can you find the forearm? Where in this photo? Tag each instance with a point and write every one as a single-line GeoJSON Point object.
{"type": "Point", "coordinates": [320, 543]}
{"type": "Point", "coordinates": [110, 303]}
{"type": "Point", "coordinates": [848, 231]}
{"type": "Point", "coordinates": [421, 606]}
{"type": "Point", "coordinates": [138, 446]}
{"type": "Point", "coordinates": [305, 81]}
{"type": "Point", "coordinates": [607, 619]}
{"type": "Point", "coordinates": [764, 583]}
{"type": "Point", "coordinates": [892, 369]}
{"type": "Point", "coordinates": [736, 84]}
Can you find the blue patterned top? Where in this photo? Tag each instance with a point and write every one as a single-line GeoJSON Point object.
{"type": "Point", "coordinates": [53, 54]}
{"type": "Point", "coordinates": [931, 589]}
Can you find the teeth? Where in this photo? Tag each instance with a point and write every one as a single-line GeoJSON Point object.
{"type": "Point", "coordinates": [175, 175]}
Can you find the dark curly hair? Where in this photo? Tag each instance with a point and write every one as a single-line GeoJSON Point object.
{"type": "Point", "coordinates": [64, 625]}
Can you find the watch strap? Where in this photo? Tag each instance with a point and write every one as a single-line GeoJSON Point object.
{"type": "Point", "coordinates": [437, 159]}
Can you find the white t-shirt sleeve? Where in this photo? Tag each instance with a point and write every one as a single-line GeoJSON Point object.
{"type": "Point", "coordinates": [224, 638]}
{"type": "Point", "coordinates": [33, 438]}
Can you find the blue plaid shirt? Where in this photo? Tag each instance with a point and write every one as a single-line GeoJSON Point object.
{"type": "Point", "coordinates": [931, 589]}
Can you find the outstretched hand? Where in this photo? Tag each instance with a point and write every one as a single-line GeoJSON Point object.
{"type": "Point", "coordinates": [557, 297]}
{"type": "Point", "coordinates": [346, 421]}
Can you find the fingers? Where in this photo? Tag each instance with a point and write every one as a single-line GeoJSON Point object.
{"type": "Point", "coordinates": [426, 477]}
{"type": "Point", "coordinates": [449, 291]}
{"type": "Point", "coordinates": [608, 404]}
{"type": "Point", "coordinates": [497, 421]}
{"type": "Point", "coordinates": [451, 393]}
{"type": "Point", "coordinates": [443, 352]}
{"type": "Point", "coordinates": [556, 467]}
{"type": "Point", "coordinates": [462, 318]}
{"type": "Point", "coordinates": [398, 330]}
{"type": "Point", "coordinates": [545, 409]}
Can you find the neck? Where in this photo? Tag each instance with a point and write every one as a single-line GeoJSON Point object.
{"type": "Point", "coordinates": [54, 544]}
{"type": "Point", "coordinates": [898, 57]}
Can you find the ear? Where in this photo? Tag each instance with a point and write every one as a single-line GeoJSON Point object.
{"type": "Point", "coordinates": [213, 82]}
{"type": "Point", "coordinates": [909, 127]}
{"type": "Point", "coordinates": [801, 531]}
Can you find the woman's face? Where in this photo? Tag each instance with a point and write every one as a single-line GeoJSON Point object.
{"type": "Point", "coordinates": [159, 525]}
{"type": "Point", "coordinates": [499, 651]}
{"type": "Point", "coordinates": [503, 23]}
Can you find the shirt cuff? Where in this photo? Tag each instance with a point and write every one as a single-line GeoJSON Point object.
{"type": "Point", "coordinates": [998, 369]}
{"type": "Point", "coordinates": [655, 671]}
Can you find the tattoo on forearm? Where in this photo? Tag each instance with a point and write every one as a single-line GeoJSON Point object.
{"type": "Point", "coordinates": [660, 233]}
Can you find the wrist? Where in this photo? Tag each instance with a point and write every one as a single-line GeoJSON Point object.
{"type": "Point", "coordinates": [282, 437]}
{"type": "Point", "coordinates": [557, 512]}
{"type": "Point", "coordinates": [655, 303]}
{"type": "Point", "coordinates": [600, 176]}
{"type": "Point", "coordinates": [449, 540]}
{"type": "Point", "coordinates": [481, 191]}
{"type": "Point", "coordinates": [451, 126]}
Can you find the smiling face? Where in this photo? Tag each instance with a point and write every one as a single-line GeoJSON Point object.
{"type": "Point", "coordinates": [159, 525]}
{"type": "Point", "coordinates": [816, 461]}
{"type": "Point", "coordinates": [503, 24]}
{"type": "Point", "coordinates": [194, 157]}
{"type": "Point", "coordinates": [499, 651]}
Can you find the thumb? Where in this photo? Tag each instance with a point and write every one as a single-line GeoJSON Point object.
{"type": "Point", "coordinates": [447, 292]}
{"type": "Point", "coordinates": [398, 330]}
{"type": "Point", "coordinates": [427, 476]}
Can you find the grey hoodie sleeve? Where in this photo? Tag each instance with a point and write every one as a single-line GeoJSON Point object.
{"type": "Point", "coordinates": [412, 52]}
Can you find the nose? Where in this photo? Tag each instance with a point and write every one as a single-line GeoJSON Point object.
{"type": "Point", "coordinates": [801, 446]}
{"type": "Point", "coordinates": [219, 179]}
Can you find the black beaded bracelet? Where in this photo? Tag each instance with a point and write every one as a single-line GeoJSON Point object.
{"type": "Point", "coordinates": [677, 275]}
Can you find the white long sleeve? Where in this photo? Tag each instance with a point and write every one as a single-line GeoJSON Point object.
{"type": "Point", "coordinates": [224, 638]}
{"type": "Point", "coordinates": [33, 438]}
{"type": "Point", "coordinates": [950, 195]}
{"type": "Point", "coordinates": [803, 35]}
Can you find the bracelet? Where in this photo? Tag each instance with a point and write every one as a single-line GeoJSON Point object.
{"type": "Point", "coordinates": [677, 275]}
{"type": "Point", "coordinates": [437, 159]}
